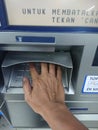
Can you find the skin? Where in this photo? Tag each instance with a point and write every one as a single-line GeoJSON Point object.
{"type": "Point", "coordinates": [46, 97]}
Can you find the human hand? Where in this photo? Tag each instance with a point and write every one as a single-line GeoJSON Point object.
{"type": "Point", "coordinates": [46, 87]}
{"type": "Point", "coordinates": [46, 97]}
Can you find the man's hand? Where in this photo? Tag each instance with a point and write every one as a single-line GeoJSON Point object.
{"type": "Point", "coordinates": [46, 97]}
{"type": "Point", "coordinates": [46, 87]}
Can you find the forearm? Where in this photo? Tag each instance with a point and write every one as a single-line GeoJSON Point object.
{"type": "Point", "coordinates": [60, 118]}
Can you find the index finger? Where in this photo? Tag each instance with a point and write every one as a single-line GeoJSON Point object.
{"type": "Point", "coordinates": [33, 71]}
{"type": "Point", "coordinates": [26, 87]}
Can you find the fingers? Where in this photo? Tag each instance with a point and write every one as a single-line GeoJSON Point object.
{"type": "Point", "coordinates": [44, 68]}
{"type": "Point", "coordinates": [52, 69]}
{"type": "Point", "coordinates": [33, 71]}
{"type": "Point", "coordinates": [26, 87]}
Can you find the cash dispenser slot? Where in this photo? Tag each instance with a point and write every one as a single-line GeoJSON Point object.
{"type": "Point", "coordinates": [16, 65]}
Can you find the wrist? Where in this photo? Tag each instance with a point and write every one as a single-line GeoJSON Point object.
{"type": "Point", "coordinates": [52, 107]}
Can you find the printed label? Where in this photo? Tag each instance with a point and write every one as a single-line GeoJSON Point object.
{"type": "Point", "coordinates": [91, 84]}
{"type": "Point", "coordinates": [52, 12]}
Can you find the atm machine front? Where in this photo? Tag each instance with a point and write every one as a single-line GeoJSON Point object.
{"type": "Point", "coordinates": [65, 34]}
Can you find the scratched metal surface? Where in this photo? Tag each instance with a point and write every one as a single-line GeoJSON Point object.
{"type": "Point", "coordinates": [5, 126]}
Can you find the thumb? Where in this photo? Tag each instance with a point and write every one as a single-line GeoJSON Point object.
{"type": "Point", "coordinates": [26, 87]}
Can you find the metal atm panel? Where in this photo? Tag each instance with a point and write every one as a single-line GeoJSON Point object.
{"type": "Point", "coordinates": [62, 34]}
{"type": "Point", "coordinates": [81, 104]}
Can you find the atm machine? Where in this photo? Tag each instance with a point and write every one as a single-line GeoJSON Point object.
{"type": "Point", "coordinates": [61, 32]}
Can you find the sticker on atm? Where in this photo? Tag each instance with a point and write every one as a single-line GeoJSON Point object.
{"type": "Point", "coordinates": [90, 85]}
